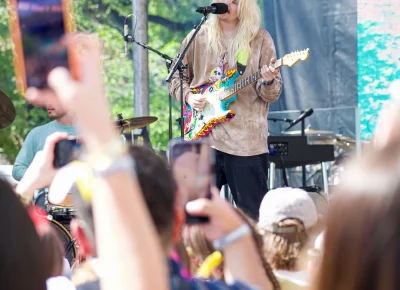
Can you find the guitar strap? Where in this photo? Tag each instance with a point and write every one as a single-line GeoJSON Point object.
{"type": "Point", "coordinates": [241, 63]}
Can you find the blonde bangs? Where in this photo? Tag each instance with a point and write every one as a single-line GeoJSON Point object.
{"type": "Point", "coordinates": [249, 23]}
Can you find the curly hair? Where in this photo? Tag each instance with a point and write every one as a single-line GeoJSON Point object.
{"type": "Point", "coordinates": [283, 247]}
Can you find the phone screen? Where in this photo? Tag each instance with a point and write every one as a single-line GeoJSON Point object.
{"type": "Point", "coordinates": [66, 151]}
{"type": "Point", "coordinates": [191, 161]}
{"type": "Point", "coordinates": [42, 28]}
{"type": "Point", "coordinates": [37, 32]}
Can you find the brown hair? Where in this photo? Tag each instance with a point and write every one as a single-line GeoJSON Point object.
{"type": "Point", "coordinates": [282, 249]}
{"type": "Point", "coordinates": [200, 247]}
{"type": "Point", "coordinates": [157, 186]}
{"type": "Point", "coordinates": [258, 238]}
{"type": "Point", "coordinates": [53, 253]}
{"type": "Point", "coordinates": [21, 264]}
{"type": "Point", "coordinates": [199, 244]}
{"type": "Point", "coordinates": [362, 239]}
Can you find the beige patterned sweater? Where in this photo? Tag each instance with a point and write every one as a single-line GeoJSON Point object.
{"type": "Point", "coordinates": [246, 134]}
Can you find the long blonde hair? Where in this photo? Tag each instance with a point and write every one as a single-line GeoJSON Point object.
{"type": "Point", "coordinates": [249, 23]}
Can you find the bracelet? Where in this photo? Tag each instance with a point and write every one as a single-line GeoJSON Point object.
{"type": "Point", "coordinates": [264, 84]}
{"type": "Point", "coordinates": [123, 163]}
{"type": "Point", "coordinates": [107, 155]}
{"type": "Point", "coordinates": [232, 237]}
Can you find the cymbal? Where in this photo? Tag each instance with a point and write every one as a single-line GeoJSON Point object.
{"type": "Point", "coordinates": [135, 123]}
{"type": "Point", "coordinates": [7, 111]}
{"type": "Point", "coordinates": [309, 131]}
{"type": "Point", "coordinates": [345, 143]}
{"type": "Point", "coordinates": [345, 139]}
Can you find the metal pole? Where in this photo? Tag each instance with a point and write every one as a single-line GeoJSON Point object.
{"type": "Point", "coordinates": [140, 60]}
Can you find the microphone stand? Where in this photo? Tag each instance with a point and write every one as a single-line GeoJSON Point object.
{"type": "Point", "coordinates": [168, 61]}
{"type": "Point", "coordinates": [179, 66]}
{"type": "Point", "coordinates": [283, 168]}
{"type": "Point", "coordinates": [280, 120]}
{"type": "Point", "coordinates": [302, 120]}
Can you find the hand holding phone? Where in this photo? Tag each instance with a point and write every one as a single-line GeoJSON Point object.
{"type": "Point", "coordinates": [66, 151]}
{"type": "Point", "coordinates": [192, 165]}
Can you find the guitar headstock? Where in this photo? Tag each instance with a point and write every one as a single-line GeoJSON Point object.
{"type": "Point", "coordinates": [292, 58]}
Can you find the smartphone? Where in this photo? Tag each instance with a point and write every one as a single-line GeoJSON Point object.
{"type": "Point", "coordinates": [37, 28]}
{"type": "Point", "coordinates": [196, 152]}
{"type": "Point", "coordinates": [66, 151]}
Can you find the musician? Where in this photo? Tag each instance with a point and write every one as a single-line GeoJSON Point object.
{"type": "Point", "coordinates": [34, 141]}
{"type": "Point", "coordinates": [228, 43]}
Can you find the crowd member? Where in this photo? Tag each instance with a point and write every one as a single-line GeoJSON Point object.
{"type": "Point", "coordinates": [131, 255]}
{"type": "Point", "coordinates": [361, 241]}
{"type": "Point", "coordinates": [52, 251]}
{"type": "Point", "coordinates": [201, 249]}
{"type": "Point", "coordinates": [227, 45]}
{"type": "Point", "coordinates": [161, 200]}
{"type": "Point", "coordinates": [21, 263]}
{"type": "Point", "coordinates": [159, 195]}
{"type": "Point", "coordinates": [286, 218]}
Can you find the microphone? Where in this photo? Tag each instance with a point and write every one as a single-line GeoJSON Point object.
{"type": "Point", "coordinates": [305, 114]}
{"type": "Point", "coordinates": [215, 8]}
{"type": "Point", "coordinates": [126, 35]}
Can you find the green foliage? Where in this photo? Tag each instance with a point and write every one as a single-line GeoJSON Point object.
{"type": "Point", "coordinates": [169, 22]}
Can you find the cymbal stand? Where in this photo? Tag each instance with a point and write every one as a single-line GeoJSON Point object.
{"type": "Point", "coordinates": [168, 61]}
{"type": "Point", "coordinates": [121, 125]}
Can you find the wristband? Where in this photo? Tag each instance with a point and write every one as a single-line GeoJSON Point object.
{"type": "Point", "coordinates": [264, 84]}
{"type": "Point", "coordinates": [104, 157]}
{"type": "Point", "coordinates": [123, 163]}
{"type": "Point", "coordinates": [232, 237]}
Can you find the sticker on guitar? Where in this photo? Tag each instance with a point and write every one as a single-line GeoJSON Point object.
{"type": "Point", "coordinates": [198, 124]}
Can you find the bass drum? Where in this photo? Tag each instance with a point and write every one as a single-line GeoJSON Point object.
{"type": "Point", "coordinates": [69, 244]}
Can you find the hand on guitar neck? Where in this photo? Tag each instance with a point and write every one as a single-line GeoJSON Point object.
{"type": "Point", "coordinates": [196, 101]}
{"type": "Point", "coordinates": [269, 72]}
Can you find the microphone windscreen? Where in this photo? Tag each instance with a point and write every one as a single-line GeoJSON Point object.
{"type": "Point", "coordinates": [222, 8]}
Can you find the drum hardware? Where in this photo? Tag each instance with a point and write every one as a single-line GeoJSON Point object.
{"type": "Point", "coordinates": [60, 216]}
{"type": "Point", "coordinates": [7, 111]}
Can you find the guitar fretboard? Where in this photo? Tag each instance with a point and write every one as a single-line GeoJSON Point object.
{"type": "Point", "coordinates": [237, 86]}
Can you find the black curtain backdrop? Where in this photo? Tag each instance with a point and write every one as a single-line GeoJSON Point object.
{"type": "Point", "coordinates": [328, 79]}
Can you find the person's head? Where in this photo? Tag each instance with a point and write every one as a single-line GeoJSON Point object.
{"type": "Point", "coordinates": [53, 253]}
{"type": "Point", "coordinates": [247, 15]}
{"type": "Point", "coordinates": [361, 247]}
{"type": "Point", "coordinates": [158, 190]}
{"type": "Point", "coordinates": [21, 264]}
{"type": "Point", "coordinates": [286, 216]}
{"type": "Point", "coordinates": [199, 249]}
{"type": "Point", "coordinates": [55, 110]}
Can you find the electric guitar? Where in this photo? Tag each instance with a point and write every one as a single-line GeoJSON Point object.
{"type": "Point", "coordinates": [198, 124]}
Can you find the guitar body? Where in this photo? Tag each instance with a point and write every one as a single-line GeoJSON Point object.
{"type": "Point", "coordinates": [199, 124]}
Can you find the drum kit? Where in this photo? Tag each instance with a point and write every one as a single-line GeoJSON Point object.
{"type": "Point", "coordinates": [60, 215]}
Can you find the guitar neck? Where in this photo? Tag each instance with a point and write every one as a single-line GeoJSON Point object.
{"type": "Point", "coordinates": [237, 86]}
